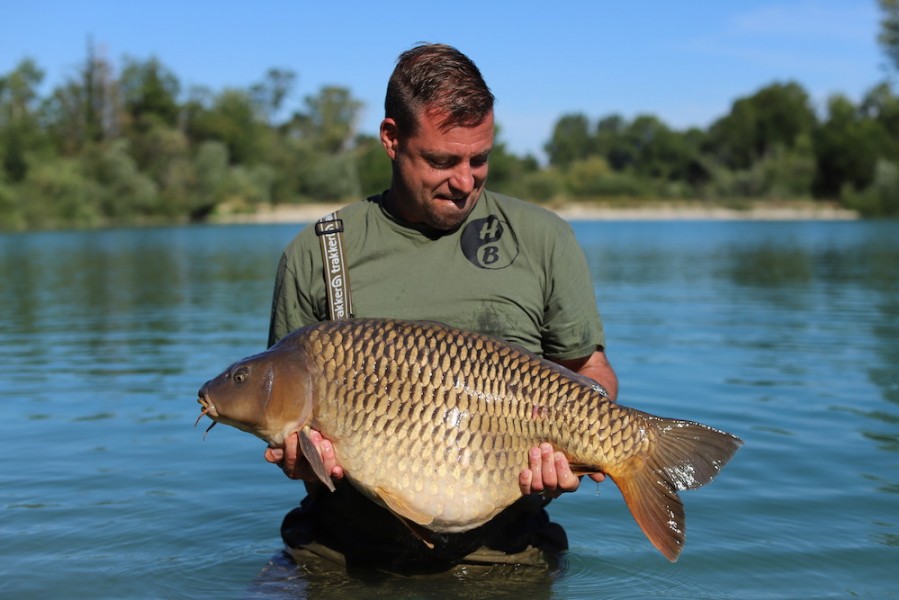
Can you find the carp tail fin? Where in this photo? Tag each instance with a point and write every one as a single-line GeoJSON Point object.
{"type": "Point", "coordinates": [683, 456]}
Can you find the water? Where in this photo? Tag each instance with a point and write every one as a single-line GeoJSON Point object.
{"type": "Point", "coordinates": [783, 333]}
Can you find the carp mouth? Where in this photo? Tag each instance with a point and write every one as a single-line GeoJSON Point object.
{"type": "Point", "coordinates": [207, 409]}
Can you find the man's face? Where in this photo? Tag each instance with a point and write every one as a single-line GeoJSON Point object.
{"type": "Point", "coordinates": [438, 173]}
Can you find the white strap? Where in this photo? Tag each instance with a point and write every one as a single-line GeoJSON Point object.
{"type": "Point", "coordinates": [337, 276]}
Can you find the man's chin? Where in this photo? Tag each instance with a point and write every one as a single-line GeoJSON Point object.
{"type": "Point", "coordinates": [450, 214]}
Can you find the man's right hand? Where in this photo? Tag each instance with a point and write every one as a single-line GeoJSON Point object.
{"type": "Point", "coordinates": [295, 464]}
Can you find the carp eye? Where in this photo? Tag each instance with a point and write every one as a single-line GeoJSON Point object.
{"type": "Point", "coordinates": [241, 375]}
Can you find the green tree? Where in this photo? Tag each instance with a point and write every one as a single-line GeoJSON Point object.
{"type": "Point", "coordinates": [59, 193]}
{"type": "Point", "coordinates": [19, 127]}
{"type": "Point", "coordinates": [506, 168]}
{"type": "Point", "coordinates": [122, 190]}
{"type": "Point", "coordinates": [881, 105]}
{"type": "Point", "coordinates": [571, 140]}
{"type": "Point", "coordinates": [610, 142]}
{"type": "Point", "coordinates": [593, 178]}
{"type": "Point", "coordinates": [372, 165]}
{"type": "Point", "coordinates": [233, 119]}
{"type": "Point", "coordinates": [84, 110]}
{"type": "Point", "coordinates": [271, 93]}
{"type": "Point", "coordinates": [775, 116]}
{"type": "Point", "coordinates": [889, 31]}
{"type": "Point", "coordinates": [149, 94]}
{"type": "Point", "coordinates": [329, 123]}
{"type": "Point", "coordinates": [847, 146]}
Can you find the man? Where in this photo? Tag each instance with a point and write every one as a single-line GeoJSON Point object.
{"type": "Point", "coordinates": [438, 246]}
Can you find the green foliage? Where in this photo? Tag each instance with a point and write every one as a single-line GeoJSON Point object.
{"type": "Point", "coordinates": [330, 120]}
{"type": "Point", "coordinates": [233, 120]}
{"type": "Point", "coordinates": [19, 128]}
{"type": "Point", "coordinates": [101, 148]}
{"type": "Point", "coordinates": [149, 93]}
{"type": "Point", "coordinates": [538, 186]}
{"type": "Point", "coordinates": [881, 198]}
{"type": "Point", "coordinates": [889, 31]}
{"type": "Point", "coordinates": [847, 146]}
{"type": "Point", "coordinates": [270, 94]}
{"type": "Point", "coordinates": [774, 117]}
{"type": "Point", "coordinates": [508, 172]}
{"type": "Point", "coordinates": [122, 190]}
{"type": "Point", "coordinates": [331, 177]}
{"type": "Point", "coordinates": [593, 178]}
{"type": "Point", "coordinates": [372, 165]}
{"type": "Point", "coordinates": [571, 140]}
{"type": "Point", "coordinates": [11, 214]}
{"type": "Point", "coordinates": [59, 193]}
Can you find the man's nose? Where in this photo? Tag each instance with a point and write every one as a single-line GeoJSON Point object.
{"type": "Point", "coordinates": [462, 179]}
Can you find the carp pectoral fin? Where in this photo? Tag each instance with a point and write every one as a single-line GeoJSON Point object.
{"type": "Point", "coordinates": [402, 508]}
{"type": "Point", "coordinates": [315, 459]}
{"type": "Point", "coordinates": [414, 520]}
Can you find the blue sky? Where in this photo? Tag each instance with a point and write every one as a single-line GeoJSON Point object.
{"type": "Point", "coordinates": [683, 61]}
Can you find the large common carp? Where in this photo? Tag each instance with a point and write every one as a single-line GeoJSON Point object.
{"type": "Point", "coordinates": [435, 423]}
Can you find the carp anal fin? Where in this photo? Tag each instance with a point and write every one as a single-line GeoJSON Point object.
{"type": "Point", "coordinates": [315, 459]}
{"type": "Point", "coordinates": [580, 469]}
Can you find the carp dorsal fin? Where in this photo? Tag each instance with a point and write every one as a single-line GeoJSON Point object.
{"type": "Point", "coordinates": [314, 458]}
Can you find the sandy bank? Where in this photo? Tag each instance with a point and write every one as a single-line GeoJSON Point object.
{"type": "Point", "coordinates": [306, 213]}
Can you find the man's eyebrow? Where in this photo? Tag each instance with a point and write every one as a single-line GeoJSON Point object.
{"type": "Point", "coordinates": [441, 158]}
{"type": "Point", "coordinates": [444, 156]}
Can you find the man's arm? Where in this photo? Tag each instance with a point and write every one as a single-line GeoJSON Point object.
{"type": "Point", "coordinates": [596, 367]}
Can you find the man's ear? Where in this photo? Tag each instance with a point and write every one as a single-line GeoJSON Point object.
{"type": "Point", "coordinates": [390, 137]}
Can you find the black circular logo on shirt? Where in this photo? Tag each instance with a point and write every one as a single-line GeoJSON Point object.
{"type": "Point", "coordinates": [489, 243]}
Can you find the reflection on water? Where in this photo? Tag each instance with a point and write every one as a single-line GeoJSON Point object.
{"type": "Point", "coordinates": [280, 578]}
{"type": "Point", "coordinates": [784, 333]}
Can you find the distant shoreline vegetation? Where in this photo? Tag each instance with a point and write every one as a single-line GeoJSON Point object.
{"type": "Point", "coordinates": [125, 144]}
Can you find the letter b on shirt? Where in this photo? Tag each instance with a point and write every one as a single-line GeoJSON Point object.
{"type": "Point", "coordinates": [489, 243]}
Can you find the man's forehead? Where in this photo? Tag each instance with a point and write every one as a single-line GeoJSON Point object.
{"type": "Point", "coordinates": [443, 121]}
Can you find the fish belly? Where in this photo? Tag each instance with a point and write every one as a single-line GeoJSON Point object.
{"type": "Point", "coordinates": [446, 478]}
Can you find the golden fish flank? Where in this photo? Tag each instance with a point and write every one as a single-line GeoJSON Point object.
{"type": "Point", "coordinates": [435, 423]}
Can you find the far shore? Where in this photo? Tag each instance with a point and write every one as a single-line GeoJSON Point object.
{"type": "Point", "coordinates": [793, 211]}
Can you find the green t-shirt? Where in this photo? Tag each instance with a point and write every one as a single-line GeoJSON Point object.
{"type": "Point", "coordinates": [512, 270]}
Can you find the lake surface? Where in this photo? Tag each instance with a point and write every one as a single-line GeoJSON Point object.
{"type": "Point", "coordinates": [785, 333]}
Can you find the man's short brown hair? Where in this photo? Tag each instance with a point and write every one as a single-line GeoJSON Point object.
{"type": "Point", "coordinates": [438, 79]}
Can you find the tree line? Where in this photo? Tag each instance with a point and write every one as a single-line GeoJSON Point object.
{"type": "Point", "coordinates": [130, 145]}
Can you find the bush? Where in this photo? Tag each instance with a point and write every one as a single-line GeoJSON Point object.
{"type": "Point", "coordinates": [881, 198]}
{"type": "Point", "coordinates": [124, 191]}
{"type": "Point", "coordinates": [593, 178]}
{"type": "Point", "coordinates": [537, 186]}
{"type": "Point", "coordinates": [11, 217]}
{"type": "Point", "coordinates": [58, 193]}
{"type": "Point", "coordinates": [331, 178]}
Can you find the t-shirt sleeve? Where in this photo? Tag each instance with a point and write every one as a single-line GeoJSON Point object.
{"type": "Point", "coordinates": [292, 300]}
{"type": "Point", "coordinates": [572, 327]}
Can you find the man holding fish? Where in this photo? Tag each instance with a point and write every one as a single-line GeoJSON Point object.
{"type": "Point", "coordinates": [438, 246]}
